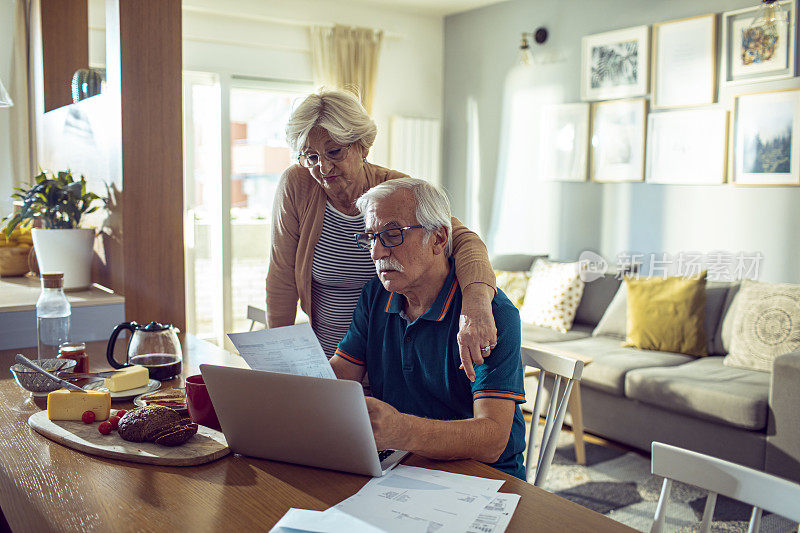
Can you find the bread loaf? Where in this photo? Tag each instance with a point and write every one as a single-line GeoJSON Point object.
{"type": "Point", "coordinates": [156, 423]}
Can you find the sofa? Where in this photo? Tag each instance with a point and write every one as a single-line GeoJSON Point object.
{"type": "Point", "coordinates": [637, 396]}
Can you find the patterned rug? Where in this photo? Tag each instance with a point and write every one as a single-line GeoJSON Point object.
{"type": "Point", "coordinates": [619, 485]}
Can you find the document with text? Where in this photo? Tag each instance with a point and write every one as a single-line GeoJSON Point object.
{"type": "Point", "coordinates": [288, 350]}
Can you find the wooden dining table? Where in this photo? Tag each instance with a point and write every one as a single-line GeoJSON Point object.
{"type": "Point", "coordinates": [45, 486]}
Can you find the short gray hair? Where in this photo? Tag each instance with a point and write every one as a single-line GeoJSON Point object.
{"type": "Point", "coordinates": [433, 207]}
{"type": "Point", "coordinates": [338, 112]}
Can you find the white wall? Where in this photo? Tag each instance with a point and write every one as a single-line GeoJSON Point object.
{"type": "Point", "coordinates": [409, 72]}
{"type": "Point", "coordinates": [7, 180]}
{"type": "Point", "coordinates": [563, 219]}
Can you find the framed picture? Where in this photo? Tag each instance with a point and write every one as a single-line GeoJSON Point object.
{"type": "Point", "coordinates": [615, 64]}
{"type": "Point", "coordinates": [565, 156]}
{"type": "Point", "coordinates": [618, 136]}
{"type": "Point", "coordinates": [687, 147]}
{"type": "Point", "coordinates": [766, 139]}
{"type": "Point", "coordinates": [750, 56]}
{"type": "Point", "coordinates": [684, 62]}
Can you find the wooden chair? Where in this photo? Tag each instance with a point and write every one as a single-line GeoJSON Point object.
{"type": "Point", "coordinates": [761, 490]}
{"type": "Point", "coordinates": [562, 368]}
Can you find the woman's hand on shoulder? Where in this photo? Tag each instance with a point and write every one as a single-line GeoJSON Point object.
{"type": "Point", "coordinates": [477, 329]}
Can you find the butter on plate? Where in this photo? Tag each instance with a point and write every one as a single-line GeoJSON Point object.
{"type": "Point", "coordinates": [64, 404]}
{"type": "Point", "coordinates": [130, 377]}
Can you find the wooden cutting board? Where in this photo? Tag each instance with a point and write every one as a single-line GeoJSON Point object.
{"type": "Point", "coordinates": [206, 446]}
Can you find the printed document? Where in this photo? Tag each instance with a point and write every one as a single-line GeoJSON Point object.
{"type": "Point", "coordinates": [288, 350]}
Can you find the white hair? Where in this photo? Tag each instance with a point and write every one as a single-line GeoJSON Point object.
{"type": "Point", "coordinates": [433, 207]}
{"type": "Point", "coordinates": [338, 112]}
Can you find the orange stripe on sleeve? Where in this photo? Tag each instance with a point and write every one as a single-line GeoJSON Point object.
{"type": "Point", "coordinates": [506, 395]}
{"type": "Point", "coordinates": [349, 358]}
{"type": "Point", "coordinates": [391, 294]}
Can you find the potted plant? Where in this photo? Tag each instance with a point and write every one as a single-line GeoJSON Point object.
{"type": "Point", "coordinates": [56, 203]}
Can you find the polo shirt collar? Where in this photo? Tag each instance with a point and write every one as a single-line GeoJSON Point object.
{"type": "Point", "coordinates": [438, 310]}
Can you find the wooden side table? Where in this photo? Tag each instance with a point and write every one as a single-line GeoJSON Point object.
{"type": "Point", "coordinates": [574, 404]}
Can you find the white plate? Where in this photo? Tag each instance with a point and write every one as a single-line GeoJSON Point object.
{"type": "Point", "coordinates": [152, 385]}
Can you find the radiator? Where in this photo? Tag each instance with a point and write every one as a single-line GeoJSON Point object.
{"type": "Point", "coordinates": [415, 147]}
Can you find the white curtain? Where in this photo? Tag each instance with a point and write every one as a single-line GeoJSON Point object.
{"type": "Point", "coordinates": [22, 123]}
{"type": "Point", "coordinates": [344, 57]}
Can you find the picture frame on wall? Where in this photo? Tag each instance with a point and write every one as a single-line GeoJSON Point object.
{"type": "Point", "coordinates": [565, 157]}
{"type": "Point", "coordinates": [766, 138]}
{"type": "Point", "coordinates": [615, 64]}
{"type": "Point", "coordinates": [746, 58]}
{"type": "Point", "coordinates": [687, 147]}
{"type": "Point", "coordinates": [618, 140]}
{"type": "Point", "coordinates": [684, 62]}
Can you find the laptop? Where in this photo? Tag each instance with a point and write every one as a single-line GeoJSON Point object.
{"type": "Point", "coordinates": [297, 419]}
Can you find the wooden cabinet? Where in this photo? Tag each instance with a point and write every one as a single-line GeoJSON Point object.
{"type": "Point", "coordinates": [65, 48]}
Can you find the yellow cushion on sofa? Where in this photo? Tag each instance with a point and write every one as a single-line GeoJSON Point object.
{"type": "Point", "coordinates": [667, 314]}
{"type": "Point", "coordinates": [514, 284]}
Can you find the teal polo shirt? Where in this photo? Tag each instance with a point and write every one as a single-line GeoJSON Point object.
{"type": "Point", "coordinates": [415, 366]}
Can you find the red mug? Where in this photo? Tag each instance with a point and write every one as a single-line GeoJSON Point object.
{"type": "Point", "coordinates": [201, 410]}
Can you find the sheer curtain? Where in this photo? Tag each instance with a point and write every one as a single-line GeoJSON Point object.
{"type": "Point", "coordinates": [22, 125]}
{"type": "Point", "coordinates": [345, 57]}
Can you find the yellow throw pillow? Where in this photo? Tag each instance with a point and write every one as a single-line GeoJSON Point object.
{"type": "Point", "coordinates": [667, 314]}
{"type": "Point", "coordinates": [513, 284]}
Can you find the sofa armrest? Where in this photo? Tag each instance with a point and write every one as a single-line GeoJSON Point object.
{"type": "Point", "coordinates": [783, 426]}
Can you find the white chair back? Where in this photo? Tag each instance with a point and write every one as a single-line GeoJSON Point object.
{"type": "Point", "coordinates": [762, 491]}
{"type": "Point", "coordinates": [256, 314]}
{"type": "Point", "coordinates": [563, 369]}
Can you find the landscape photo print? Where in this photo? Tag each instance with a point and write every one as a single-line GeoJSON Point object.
{"type": "Point", "coordinates": [767, 143]}
{"type": "Point", "coordinates": [615, 64]}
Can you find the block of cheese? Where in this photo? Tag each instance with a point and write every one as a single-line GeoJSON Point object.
{"type": "Point", "coordinates": [64, 404]}
{"type": "Point", "coordinates": [130, 377]}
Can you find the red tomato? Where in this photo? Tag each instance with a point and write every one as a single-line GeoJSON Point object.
{"type": "Point", "coordinates": [104, 427]}
{"type": "Point", "coordinates": [88, 417]}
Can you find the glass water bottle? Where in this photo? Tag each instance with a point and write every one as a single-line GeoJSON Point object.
{"type": "Point", "coordinates": [52, 316]}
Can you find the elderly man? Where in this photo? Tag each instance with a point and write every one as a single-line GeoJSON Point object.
{"type": "Point", "coordinates": [403, 334]}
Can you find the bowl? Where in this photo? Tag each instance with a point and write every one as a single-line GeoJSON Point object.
{"type": "Point", "coordinates": [39, 384]}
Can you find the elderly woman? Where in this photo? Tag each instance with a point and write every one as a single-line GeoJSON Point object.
{"type": "Point", "coordinates": [314, 255]}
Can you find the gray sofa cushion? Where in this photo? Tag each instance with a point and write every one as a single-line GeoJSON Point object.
{"type": "Point", "coordinates": [515, 262]}
{"type": "Point", "coordinates": [716, 297]}
{"type": "Point", "coordinates": [531, 333]}
{"type": "Point", "coordinates": [597, 294]}
{"type": "Point", "coordinates": [610, 361]}
{"type": "Point", "coordinates": [704, 388]}
{"type": "Point", "coordinates": [722, 342]}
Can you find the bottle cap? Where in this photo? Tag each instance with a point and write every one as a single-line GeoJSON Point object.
{"type": "Point", "coordinates": [53, 280]}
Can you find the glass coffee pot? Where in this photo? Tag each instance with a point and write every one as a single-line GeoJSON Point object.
{"type": "Point", "coordinates": [154, 346]}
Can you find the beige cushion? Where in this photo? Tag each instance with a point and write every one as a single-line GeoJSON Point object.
{"type": "Point", "coordinates": [615, 320]}
{"type": "Point", "coordinates": [553, 294]}
{"type": "Point", "coordinates": [766, 324]}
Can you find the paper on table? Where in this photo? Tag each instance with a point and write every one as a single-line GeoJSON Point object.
{"type": "Point", "coordinates": [288, 350]}
{"type": "Point", "coordinates": [496, 515]}
{"type": "Point", "coordinates": [450, 479]}
{"type": "Point", "coordinates": [330, 521]}
{"type": "Point", "coordinates": [400, 503]}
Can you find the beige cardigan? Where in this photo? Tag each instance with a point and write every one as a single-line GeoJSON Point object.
{"type": "Point", "coordinates": [297, 225]}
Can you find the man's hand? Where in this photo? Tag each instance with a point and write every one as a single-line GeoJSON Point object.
{"type": "Point", "coordinates": [477, 329]}
{"type": "Point", "coordinates": [387, 425]}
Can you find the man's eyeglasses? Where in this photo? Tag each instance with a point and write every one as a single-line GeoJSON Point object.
{"type": "Point", "coordinates": [389, 237]}
{"type": "Point", "coordinates": [333, 155]}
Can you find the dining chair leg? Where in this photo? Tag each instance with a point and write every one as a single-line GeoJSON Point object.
{"type": "Point", "coordinates": [576, 411]}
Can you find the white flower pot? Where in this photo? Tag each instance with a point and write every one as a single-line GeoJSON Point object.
{"type": "Point", "coordinates": [65, 250]}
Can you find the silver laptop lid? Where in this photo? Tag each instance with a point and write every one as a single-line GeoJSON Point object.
{"type": "Point", "coordinates": [296, 419]}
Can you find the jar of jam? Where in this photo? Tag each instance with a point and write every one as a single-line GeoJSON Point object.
{"type": "Point", "coordinates": [76, 351]}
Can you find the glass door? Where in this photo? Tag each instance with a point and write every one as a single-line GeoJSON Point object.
{"type": "Point", "coordinates": [229, 194]}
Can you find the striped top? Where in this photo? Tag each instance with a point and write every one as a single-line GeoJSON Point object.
{"type": "Point", "coordinates": [338, 273]}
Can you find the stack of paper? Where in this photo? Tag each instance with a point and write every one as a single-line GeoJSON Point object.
{"type": "Point", "coordinates": [411, 499]}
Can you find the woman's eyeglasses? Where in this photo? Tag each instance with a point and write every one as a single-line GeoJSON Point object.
{"type": "Point", "coordinates": [334, 155]}
{"type": "Point", "coordinates": [389, 237]}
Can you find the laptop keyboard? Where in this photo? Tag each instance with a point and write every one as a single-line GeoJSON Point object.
{"type": "Point", "coordinates": [383, 454]}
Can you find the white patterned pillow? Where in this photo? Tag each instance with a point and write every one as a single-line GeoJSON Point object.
{"type": "Point", "coordinates": [766, 324]}
{"type": "Point", "coordinates": [553, 294]}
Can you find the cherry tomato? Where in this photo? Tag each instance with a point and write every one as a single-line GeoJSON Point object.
{"type": "Point", "coordinates": [104, 427]}
{"type": "Point", "coordinates": [114, 421]}
{"type": "Point", "coordinates": [121, 413]}
{"type": "Point", "coordinates": [88, 417]}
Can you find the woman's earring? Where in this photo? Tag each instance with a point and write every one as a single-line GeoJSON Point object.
{"type": "Point", "coordinates": [365, 160]}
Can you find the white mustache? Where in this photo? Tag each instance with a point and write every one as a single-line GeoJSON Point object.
{"type": "Point", "coordinates": [388, 263]}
